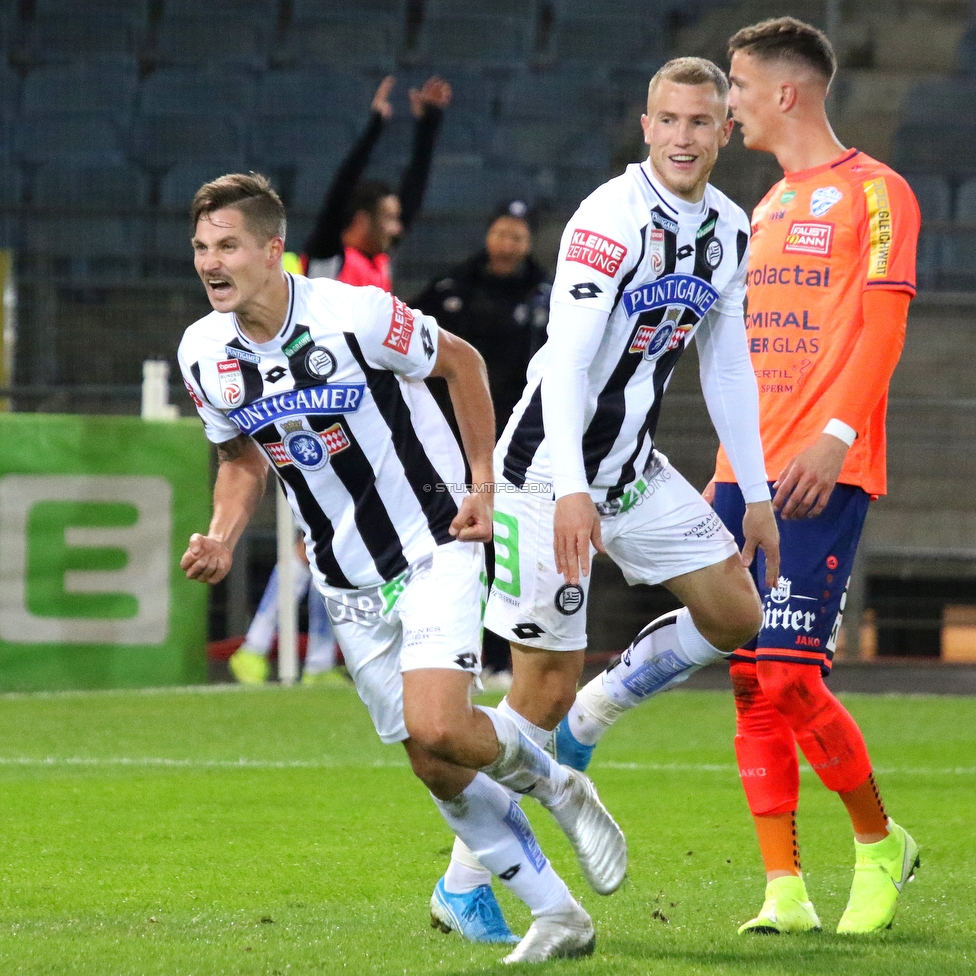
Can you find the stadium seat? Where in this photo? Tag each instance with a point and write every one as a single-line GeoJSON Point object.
{"type": "Point", "coordinates": [549, 94]}
{"type": "Point", "coordinates": [121, 185]}
{"type": "Point", "coordinates": [525, 10]}
{"type": "Point", "coordinates": [341, 95]}
{"type": "Point", "coordinates": [134, 10]}
{"type": "Point", "coordinates": [161, 141]}
{"type": "Point", "coordinates": [9, 92]}
{"type": "Point", "coordinates": [966, 52]}
{"type": "Point", "coordinates": [959, 256]}
{"type": "Point", "coordinates": [457, 184]}
{"type": "Point", "coordinates": [106, 85]}
{"type": "Point", "coordinates": [74, 35]}
{"type": "Point", "coordinates": [608, 42]}
{"type": "Point", "coordinates": [949, 99]}
{"type": "Point", "coordinates": [344, 39]}
{"type": "Point", "coordinates": [285, 141]}
{"type": "Point", "coordinates": [471, 39]}
{"type": "Point", "coordinates": [86, 236]}
{"type": "Point", "coordinates": [221, 10]}
{"type": "Point", "coordinates": [318, 9]}
{"type": "Point", "coordinates": [184, 91]}
{"type": "Point", "coordinates": [245, 42]}
{"type": "Point", "coordinates": [79, 136]}
{"type": "Point", "coordinates": [935, 147]}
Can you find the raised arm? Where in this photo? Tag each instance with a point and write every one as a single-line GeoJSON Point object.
{"type": "Point", "coordinates": [427, 104]}
{"type": "Point", "coordinates": [240, 484]}
{"type": "Point", "coordinates": [325, 240]}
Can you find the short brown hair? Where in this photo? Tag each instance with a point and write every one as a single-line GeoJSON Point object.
{"type": "Point", "coordinates": [787, 39]}
{"type": "Point", "coordinates": [691, 71]}
{"type": "Point", "coordinates": [252, 194]}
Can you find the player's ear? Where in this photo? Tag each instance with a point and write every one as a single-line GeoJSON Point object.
{"type": "Point", "coordinates": [725, 133]}
{"type": "Point", "coordinates": [787, 96]}
{"type": "Point", "coordinates": [276, 248]}
{"type": "Point", "coordinates": [646, 128]}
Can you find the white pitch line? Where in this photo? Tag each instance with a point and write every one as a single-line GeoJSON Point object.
{"type": "Point", "coordinates": [728, 768]}
{"type": "Point", "coordinates": [167, 763]}
{"type": "Point", "coordinates": [164, 762]}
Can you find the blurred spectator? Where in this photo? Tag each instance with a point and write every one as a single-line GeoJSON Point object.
{"type": "Point", "coordinates": [360, 220]}
{"type": "Point", "coordinates": [498, 300]}
{"type": "Point", "coordinates": [249, 663]}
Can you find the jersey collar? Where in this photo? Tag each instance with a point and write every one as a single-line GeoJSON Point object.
{"type": "Point", "coordinates": [285, 329]}
{"type": "Point", "coordinates": [675, 204]}
{"type": "Point", "coordinates": [805, 174]}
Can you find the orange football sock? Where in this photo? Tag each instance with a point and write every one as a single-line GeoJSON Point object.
{"type": "Point", "coordinates": [777, 842]}
{"type": "Point", "coordinates": [866, 808]}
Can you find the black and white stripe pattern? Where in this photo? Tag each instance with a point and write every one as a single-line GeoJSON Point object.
{"type": "Point", "coordinates": [681, 261]}
{"type": "Point", "coordinates": [337, 403]}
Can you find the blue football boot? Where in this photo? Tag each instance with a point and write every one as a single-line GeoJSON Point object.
{"type": "Point", "coordinates": [568, 750]}
{"type": "Point", "coordinates": [475, 915]}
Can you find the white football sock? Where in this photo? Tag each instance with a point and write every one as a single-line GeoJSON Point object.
{"type": "Point", "coordinates": [465, 872]}
{"type": "Point", "coordinates": [521, 765]}
{"type": "Point", "coordinates": [666, 652]}
{"type": "Point", "coordinates": [539, 736]}
{"type": "Point", "coordinates": [491, 824]}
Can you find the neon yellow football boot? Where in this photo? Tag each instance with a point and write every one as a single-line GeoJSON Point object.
{"type": "Point", "coordinates": [249, 667]}
{"type": "Point", "coordinates": [337, 677]}
{"type": "Point", "coordinates": [881, 870]}
{"type": "Point", "coordinates": [786, 910]}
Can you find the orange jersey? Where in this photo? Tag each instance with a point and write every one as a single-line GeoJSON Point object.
{"type": "Point", "coordinates": [821, 239]}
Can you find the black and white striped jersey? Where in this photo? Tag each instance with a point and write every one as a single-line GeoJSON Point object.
{"type": "Point", "coordinates": [655, 266]}
{"type": "Point", "coordinates": [337, 402]}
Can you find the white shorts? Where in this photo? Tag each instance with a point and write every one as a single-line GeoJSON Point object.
{"type": "Point", "coordinates": [660, 528]}
{"type": "Point", "coordinates": [430, 617]}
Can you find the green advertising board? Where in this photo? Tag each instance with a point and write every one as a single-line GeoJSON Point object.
{"type": "Point", "coordinates": [95, 513]}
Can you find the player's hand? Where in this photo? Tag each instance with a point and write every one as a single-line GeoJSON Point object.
{"type": "Point", "coordinates": [575, 526]}
{"type": "Point", "coordinates": [436, 92]}
{"type": "Point", "coordinates": [381, 100]}
{"type": "Point", "coordinates": [708, 492]}
{"type": "Point", "coordinates": [207, 559]}
{"type": "Point", "coordinates": [473, 520]}
{"type": "Point", "coordinates": [804, 487]}
{"type": "Point", "coordinates": [760, 531]}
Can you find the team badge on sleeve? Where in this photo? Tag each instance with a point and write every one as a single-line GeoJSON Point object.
{"type": "Point", "coordinates": [596, 251]}
{"type": "Point", "coordinates": [656, 250]}
{"type": "Point", "coordinates": [401, 328]}
{"type": "Point", "coordinates": [231, 381]}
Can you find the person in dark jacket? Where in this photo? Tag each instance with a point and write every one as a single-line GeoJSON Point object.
{"type": "Point", "coordinates": [498, 300]}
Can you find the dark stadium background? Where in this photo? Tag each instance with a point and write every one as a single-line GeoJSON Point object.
{"type": "Point", "coordinates": [112, 112]}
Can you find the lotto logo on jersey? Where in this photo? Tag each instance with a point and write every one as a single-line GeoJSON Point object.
{"type": "Point", "coordinates": [595, 251]}
{"type": "Point", "coordinates": [401, 328]}
{"type": "Point", "coordinates": [808, 237]}
{"type": "Point", "coordinates": [231, 382]}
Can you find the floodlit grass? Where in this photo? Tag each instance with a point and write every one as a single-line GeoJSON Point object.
{"type": "Point", "coordinates": [268, 832]}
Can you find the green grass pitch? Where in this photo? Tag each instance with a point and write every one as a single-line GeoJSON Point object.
{"type": "Point", "coordinates": [268, 832]}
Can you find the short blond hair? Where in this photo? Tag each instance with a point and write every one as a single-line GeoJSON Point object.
{"type": "Point", "coordinates": [692, 71]}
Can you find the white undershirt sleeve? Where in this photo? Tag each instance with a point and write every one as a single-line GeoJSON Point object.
{"type": "Point", "coordinates": [729, 386]}
{"type": "Point", "coordinates": [575, 333]}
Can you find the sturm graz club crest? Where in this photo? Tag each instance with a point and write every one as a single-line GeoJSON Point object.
{"type": "Point", "coordinates": [320, 362]}
{"type": "Point", "coordinates": [569, 599]}
{"type": "Point", "coordinates": [713, 253]}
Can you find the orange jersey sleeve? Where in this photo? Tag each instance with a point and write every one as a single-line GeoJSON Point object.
{"type": "Point", "coordinates": [821, 240]}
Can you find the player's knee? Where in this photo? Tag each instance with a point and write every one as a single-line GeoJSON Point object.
{"type": "Point", "coordinates": [739, 624]}
{"type": "Point", "coordinates": [795, 690]}
{"type": "Point", "coordinates": [433, 735]}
